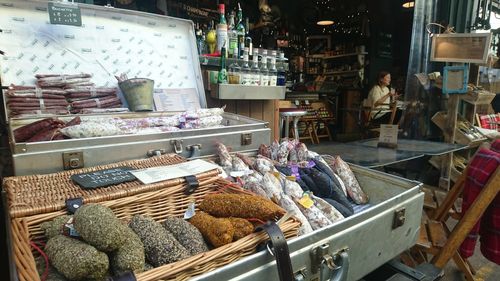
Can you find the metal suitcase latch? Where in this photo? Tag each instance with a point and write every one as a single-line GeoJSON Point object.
{"type": "Point", "coordinates": [177, 146]}
{"type": "Point", "coordinates": [333, 267]}
{"type": "Point", "coordinates": [72, 160]}
{"type": "Point", "coordinates": [156, 152]}
{"type": "Point", "coordinates": [246, 139]}
{"type": "Point", "coordinates": [195, 150]}
{"type": "Point", "coordinates": [399, 218]}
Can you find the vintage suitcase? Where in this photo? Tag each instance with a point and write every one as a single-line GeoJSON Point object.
{"type": "Point", "coordinates": [356, 245]}
{"type": "Point", "coordinates": [110, 42]}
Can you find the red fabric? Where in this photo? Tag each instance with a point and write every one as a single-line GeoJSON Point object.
{"type": "Point", "coordinates": [481, 168]}
{"type": "Point", "coordinates": [489, 121]}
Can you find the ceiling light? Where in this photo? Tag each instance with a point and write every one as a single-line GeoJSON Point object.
{"type": "Point", "coordinates": [409, 4]}
{"type": "Point", "coordinates": [325, 22]}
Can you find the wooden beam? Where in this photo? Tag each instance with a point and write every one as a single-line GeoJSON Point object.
{"type": "Point", "coordinates": [468, 221]}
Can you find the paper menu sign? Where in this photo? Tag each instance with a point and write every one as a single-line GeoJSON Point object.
{"type": "Point", "coordinates": [156, 174]}
{"type": "Point", "coordinates": [388, 135]}
{"type": "Point", "coordinates": [176, 99]}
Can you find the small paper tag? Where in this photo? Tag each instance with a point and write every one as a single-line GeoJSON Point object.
{"type": "Point", "coordinates": [69, 229]}
{"type": "Point", "coordinates": [277, 175]}
{"type": "Point", "coordinates": [291, 178]}
{"type": "Point", "coordinates": [190, 212]}
{"type": "Point", "coordinates": [306, 201]}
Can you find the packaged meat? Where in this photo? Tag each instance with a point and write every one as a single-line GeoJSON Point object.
{"type": "Point", "coordinates": [351, 183]}
{"type": "Point", "coordinates": [225, 159]}
{"type": "Point", "coordinates": [289, 205]}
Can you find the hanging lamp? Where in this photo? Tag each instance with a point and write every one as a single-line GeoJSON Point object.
{"type": "Point", "coordinates": [408, 4]}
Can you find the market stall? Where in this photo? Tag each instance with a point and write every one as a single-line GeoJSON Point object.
{"type": "Point", "coordinates": [66, 114]}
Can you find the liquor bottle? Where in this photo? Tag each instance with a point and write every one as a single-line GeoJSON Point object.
{"type": "Point", "coordinates": [200, 40]}
{"type": "Point", "coordinates": [240, 29]}
{"type": "Point", "coordinates": [245, 72]}
{"type": "Point", "coordinates": [264, 72]}
{"type": "Point", "coordinates": [281, 79]}
{"type": "Point", "coordinates": [273, 72]}
{"type": "Point", "coordinates": [211, 38]}
{"type": "Point", "coordinates": [222, 30]}
{"type": "Point", "coordinates": [255, 69]}
{"type": "Point", "coordinates": [234, 70]}
{"type": "Point", "coordinates": [232, 36]}
{"type": "Point", "coordinates": [222, 76]}
{"type": "Point", "coordinates": [248, 39]}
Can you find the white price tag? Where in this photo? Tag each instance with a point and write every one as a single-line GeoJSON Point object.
{"type": "Point", "coordinates": [181, 170]}
{"type": "Point", "coordinates": [388, 134]}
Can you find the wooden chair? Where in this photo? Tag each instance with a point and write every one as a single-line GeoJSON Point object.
{"type": "Point", "coordinates": [435, 237]}
{"type": "Point", "coordinates": [368, 123]}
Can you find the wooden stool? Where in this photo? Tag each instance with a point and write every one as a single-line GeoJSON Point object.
{"type": "Point", "coordinates": [308, 132]}
{"type": "Point", "coordinates": [325, 132]}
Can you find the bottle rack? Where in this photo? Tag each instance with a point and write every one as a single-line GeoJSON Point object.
{"type": "Point", "coordinates": [215, 62]}
{"type": "Point", "coordinates": [246, 92]}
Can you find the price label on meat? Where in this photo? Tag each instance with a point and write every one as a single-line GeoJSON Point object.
{"type": "Point", "coordinates": [103, 177]}
{"type": "Point", "coordinates": [65, 14]}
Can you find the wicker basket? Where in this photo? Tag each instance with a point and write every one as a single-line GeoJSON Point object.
{"type": "Point", "coordinates": [158, 204]}
{"type": "Point", "coordinates": [38, 194]}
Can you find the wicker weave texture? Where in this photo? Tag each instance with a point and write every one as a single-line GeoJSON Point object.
{"type": "Point", "coordinates": [36, 194]}
{"type": "Point", "coordinates": [158, 204]}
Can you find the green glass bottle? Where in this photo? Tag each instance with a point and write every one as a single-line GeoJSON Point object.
{"type": "Point", "coordinates": [222, 77]}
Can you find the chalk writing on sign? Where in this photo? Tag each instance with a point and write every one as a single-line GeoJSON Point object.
{"type": "Point", "coordinates": [103, 177]}
{"type": "Point", "coordinates": [65, 14]}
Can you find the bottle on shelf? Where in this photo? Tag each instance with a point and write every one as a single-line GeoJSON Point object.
{"type": "Point", "coordinates": [245, 72]}
{"type": "Point", "coordinates": [235, 70]}
{"type": "Point", "coordinates": [211, 38]}
{"type": "Point", "coordinates": [222, 76]}
{"type": "Point", "coordinates": [273, 72]}
{"type": "Point", "coordinates": [240, 30]}
{"type": "Point", "coordinates": [248, 39]}
{"type": "Point", "coordinates": [264, 72]}
{"type": "Point", "coordinates": [200, 40]}
{"type": "Point", "coordinates": [232, 36]}
{"type": "Point", "coordinates": [255, 69]}
{"type": "Point", "coordinates": [281, 74]}
{"type": "Point", "coordinates": [222, 29]}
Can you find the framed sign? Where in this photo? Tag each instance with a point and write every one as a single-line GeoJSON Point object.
{"type": "Point", "coordinates": [461, 47]}
{"type": "Point", "coordinates": [455, 79]}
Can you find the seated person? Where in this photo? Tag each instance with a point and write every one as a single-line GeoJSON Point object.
{"type": "Point", "coordinates": [379, 99]}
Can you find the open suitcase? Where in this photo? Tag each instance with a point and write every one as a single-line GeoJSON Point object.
{"type": "Point", "coordinates": [110, 42]}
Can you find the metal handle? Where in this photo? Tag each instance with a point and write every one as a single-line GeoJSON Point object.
{"type": "Point", "coordinates": [334, 268]}
{"type": "Point", "coordinates": [177, 146]}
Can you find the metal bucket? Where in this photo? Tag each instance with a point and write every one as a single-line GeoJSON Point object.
{"type": "Point", "coordinates": [139, 93]}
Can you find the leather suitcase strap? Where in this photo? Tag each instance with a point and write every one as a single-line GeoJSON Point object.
{"type": "Point", "coordinates": [279, 250]}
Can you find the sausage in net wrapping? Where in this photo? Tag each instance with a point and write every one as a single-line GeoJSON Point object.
{"type": "Point", "coordinates": [241, 206]}
{"type": "Point", "coordinates": [218, 231]}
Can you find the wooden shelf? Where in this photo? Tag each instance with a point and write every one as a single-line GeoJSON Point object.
{"type": "Point", "coordinates": [341, 72]}
{"type": "Point", "coordinates": [344, 55]}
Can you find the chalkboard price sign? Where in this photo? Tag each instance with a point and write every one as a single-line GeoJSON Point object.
{"type": "Point", "coordinates": [65, 14]}
{"type": "Point", "coordinates": [103, 177]}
